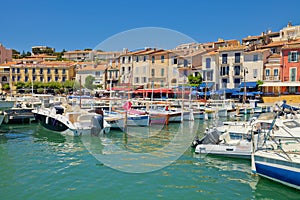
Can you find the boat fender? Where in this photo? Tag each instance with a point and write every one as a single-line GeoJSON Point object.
{"type": "Point", "coordinates": [6, 119]}
{"type": "Point", "coordinates": [47, 120]}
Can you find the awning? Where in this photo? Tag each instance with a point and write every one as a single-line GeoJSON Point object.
{"type": "Point", "coordinates": [162, 90]}
{"type": "Point", "coordinates": [206, 85]}
{"type": "Point", "coordinates": [248, 84]}
{"type": "Point", "coordinates": [280, 84]}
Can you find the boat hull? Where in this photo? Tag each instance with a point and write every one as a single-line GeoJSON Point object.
{"type": "Point", "coordinates": [224, 150]}
{"type": "Point", "coordinates": [282, 171]}
{"type": "Point", "coordinates": [139, 120]}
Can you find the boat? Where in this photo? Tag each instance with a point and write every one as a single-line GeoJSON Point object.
{"type": "Point", "coordinates": [280, 163]}
{"type": "Point", "coordinates": [3, 106]}
{"type": "Point", "coordinates": [227, 144]}
{"type": "Point", "coordinates": [282, 166]}
{"type": "Point", "coordinates": [72, 121]}
{"type": "Point", "coordinates": [162, 115]}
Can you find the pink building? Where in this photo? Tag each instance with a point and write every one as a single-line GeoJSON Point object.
{"type": "Point", "coordinates": [5, 54]}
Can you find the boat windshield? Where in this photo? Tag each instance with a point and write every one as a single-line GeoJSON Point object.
{"type": "Point", "coordinates": [291, 124]}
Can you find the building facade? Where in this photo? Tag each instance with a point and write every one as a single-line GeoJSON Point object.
{"type": "Point", "coordinates": [5, 54]}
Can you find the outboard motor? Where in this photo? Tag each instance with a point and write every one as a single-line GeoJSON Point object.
{"type": "Point", "coordinates": [195, 142]}
{"type": "Point", "coordinates": [97, 124]}
{"type": "Point", "coordinates": [211, 137]}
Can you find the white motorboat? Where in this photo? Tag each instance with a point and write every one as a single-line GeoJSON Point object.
{"type": "Point", "coordinates": [281, 162]}
{"type": "Point", "coordinates": [71, 121]}
{"type": "Point", "coordinates": [225, 144]}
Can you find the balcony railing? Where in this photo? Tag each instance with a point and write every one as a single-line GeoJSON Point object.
{"type": "Point", "coordinates": [272, 78]}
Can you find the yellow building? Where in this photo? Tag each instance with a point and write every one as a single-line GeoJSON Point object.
{"type": "Point", "coordinates": [28, 70]}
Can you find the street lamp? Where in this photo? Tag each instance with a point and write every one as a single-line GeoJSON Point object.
{"type": "Point", "coordinates": [245, 72]}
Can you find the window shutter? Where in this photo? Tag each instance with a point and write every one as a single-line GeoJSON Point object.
{"type": "Point", "coordinates": [289, 57]}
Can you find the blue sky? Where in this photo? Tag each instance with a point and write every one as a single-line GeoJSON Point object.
{"type": "Point", "coordinates": [70, 25]}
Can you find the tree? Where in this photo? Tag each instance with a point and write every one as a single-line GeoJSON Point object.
{"type": "Point", "coordinates": [5, 86]}
{"type": "Point", "coordinates": [20, 85]}
{"type": "Point", "coordinates": [195, 80]}
{"type": "Point", "coordinates": [69, 84]}
{"type": "Point", "coordinates": [89, 82]}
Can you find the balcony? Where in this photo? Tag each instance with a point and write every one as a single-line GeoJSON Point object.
{"type": "Point", "coordinates": [272, 78]}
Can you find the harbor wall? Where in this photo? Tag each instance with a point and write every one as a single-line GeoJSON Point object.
{"type": "Point", "coordinates": [292, 99]}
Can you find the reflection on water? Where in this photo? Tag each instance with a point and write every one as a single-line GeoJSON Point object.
{"type": "Point", "coordinates": [42, 164]}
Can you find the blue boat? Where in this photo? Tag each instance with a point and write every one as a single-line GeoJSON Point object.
{"type": "Point", "coordinates": [279, 166]}
{"type": "Point", "coordinates": [279, 162]}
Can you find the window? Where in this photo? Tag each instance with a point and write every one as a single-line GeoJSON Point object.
{"type": "Point", "coordinates": [13, 78]}
{"type": "Point", "coordinates": [209, 75]}
{"type": "Point", "coordinates": [267, 72]}
{"type": "Point", "coordinates": [224, 71]}
{"type": "Point", "coordinates": [293, 56]}
{"type": "Point", "coordinates": [64, 71]}
{"type": "Point", "coordinates": [293, 74]}
{"type": "Point", "coordinates": [129, 69]}
{"type": "Point", "coordinates": [144, 79]}
{"type": "Point", "coordinates": [26, 70]}
{"type": "Point", "coordinates": [64, 79]}
{"type": "Point", "coordinates": [152, 72]}
{"type": "Point", "coordinates": [129, 59]}
{"type": "Point", "coordinates": [224, 82]}
{"type": "Point", "coordinates": [116, 74]}
{"type": "Point", "coordinates": [236, 82]}
{"type": "Point", "coordinates": [185, 63]}
{"type": "Point", "coordinates": [255, 72]}
{"type": "Point", "coordinates": [33, 71]}
{"type": "Point", "coordinates": [255, 57]}
{"type": "Point", "coordinates": [153, 59]}
{"type": "Point", "coordinates": [26, 78]}
{"type": "Point", "coordinates": [4, 79]}
{"type": "Point", "coordinates": [237, 70]}
{"type": "Point", "coordinates": [48, 71]}
{"type": "Point", "coordinates": [276, 72]}
{"type": "Point", "coordinates": [162, 72]}
{"type": "Point", "coordinates": [174, 61]}
{"type": "Point", "coordinates": [33, 78]}
{"type": "Point", "coordinates": [56, 71]}
{"type": "Point", "coordinates": [145, 58]}
{"type": "Point", "coordinates": [207, 60]}
{"type": "Point", "coordinates": [19, 78]}
{"type": "Point", "coordinates": [110, 74]}
{"type": "Point", "coordinates": [41, 71]}
{"type": "Point", "coordinates": [123, 60]}
{"type": "Point", "coordinates": [237, 57]}
{"type": "Point", "coordinates": [137, 59]}
{"type": "Point", "coordinates": [18, 70]}
{"type": "Point", "coordinates": [136, 79]}
{"type": "Point", "coordinates": [123, 70]}
{"type": "Point", "coordinates": [161, 83]}
{"type": "Point", "coordinates": [13, 70]}
{"type": "Point", "coordinates": [41, 78]}
{"type": "Point", "coordinates": [224, 58]}
{"type": "Point", "coordinates": [162, 58]}
{"type": "Point", "coordinates": [56, 78]}
{"type": "Point", "coordinates": [49, 79]}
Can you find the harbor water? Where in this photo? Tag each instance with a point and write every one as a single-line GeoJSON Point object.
{"type": "Point", "coordinates": [39, 164]}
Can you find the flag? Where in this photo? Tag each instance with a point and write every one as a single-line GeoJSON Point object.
{"type": "Point", "coordinates": [127, 105]}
